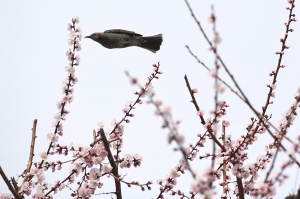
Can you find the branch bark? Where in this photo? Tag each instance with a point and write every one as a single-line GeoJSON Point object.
{"type": "Point", "coordinates": [31, 154]}
{"type": "Point", "coordinates": [10, 187]}
{"type": "Point", "coordinates": [112, 163]}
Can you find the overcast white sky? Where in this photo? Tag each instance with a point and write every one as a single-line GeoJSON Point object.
{"type": "Point", "coordinates": [33, 41]}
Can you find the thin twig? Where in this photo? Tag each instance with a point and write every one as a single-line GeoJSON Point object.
{"type": "Point", "coordinates": [201, 117]}
{"type": "Point", "coordinates": [51, 190]}
{"type": "Point", "coordinates": [216, 85]}
{"type": "Point", "coordinates": [160, 195]}
{"type": "Point", "coordinates": [15, 184]}
{"type": "Point", "coordinates": [219, 78]}
{"type": "Point", "coordinates": [224, 165]}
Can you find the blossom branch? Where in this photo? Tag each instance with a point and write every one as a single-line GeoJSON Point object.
{"type": "Point", "coordinates": [135, 183]}
{"type": "Point", "coordinates": [173, 130]}
{"type": "Point", "coordinates": [140, 94]}
{"type": "Point", "coordinates": [137, 101]}
{"type": "Point", "coordinates": [162, 190]}
{"type": "Point", "coordinates": [170, 181]}
{"type": "Point", "coordinates": [201, 117]}
{"type": "Point", "coordinates": [193, 149]}
{"type": "Point", "coordinates": [62, 182]}
{"type": "Point", "coordinates": [75, 37]}
{"type": "Point", "coordinates": [285, 123]}
{"type": "Point", "coordinates": [180, 193]}
{"type": "Point", "coordinates": [281, 53]}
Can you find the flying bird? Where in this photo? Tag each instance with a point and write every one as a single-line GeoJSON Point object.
{"type": "Point", "coordinates": [118, 38]}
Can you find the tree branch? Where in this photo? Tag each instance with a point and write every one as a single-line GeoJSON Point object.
{"type": "Point", "coordinates": [112, 163]}
{"type": "Point", "coordinates": [201, 117]}
{"type": "Point", "coordinates": [10, 187]}
{"type": "Point", "coordinates": [31, 154]}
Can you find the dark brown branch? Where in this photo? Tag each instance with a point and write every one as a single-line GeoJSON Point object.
{"type": "Point", "coordinates": [15, 184]}
{"type": "Point", "coordinates": [10, 187]}
{"type": "Point", "coordinates": [112, 163]}
{"type": "Point", "coordinates": [240, 187]}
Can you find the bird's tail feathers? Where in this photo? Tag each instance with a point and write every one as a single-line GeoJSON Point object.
{"type": "Point", "coordinates": [152, 43]}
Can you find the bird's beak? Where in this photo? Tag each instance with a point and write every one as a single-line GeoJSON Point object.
{"type": "Point", "coordinates": [87, 37]}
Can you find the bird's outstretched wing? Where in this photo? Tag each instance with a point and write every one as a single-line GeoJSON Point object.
{"type": "Point", "coordinates": [123, 31]}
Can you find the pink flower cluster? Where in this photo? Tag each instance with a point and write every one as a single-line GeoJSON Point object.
{"type": "Point", "coordinates": [219, 112]}
{"type": "Point", "coordinates": [128, 160]}
{"type": "Point", "coordinates": [170, 180]}
{"type": "Point", "coordinates": [202, 183]}
{"type": "Point", "coordinates": [6, 196]}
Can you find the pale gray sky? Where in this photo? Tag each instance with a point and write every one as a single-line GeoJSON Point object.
{"type": "Point", "coordinates": [33, 41]}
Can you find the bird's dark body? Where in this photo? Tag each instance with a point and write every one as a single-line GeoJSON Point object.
{"type": "Point", "coordinates": [118, 38]}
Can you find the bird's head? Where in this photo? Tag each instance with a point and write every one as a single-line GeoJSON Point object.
{"type": "Point", "coordinates": [95, 36]}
